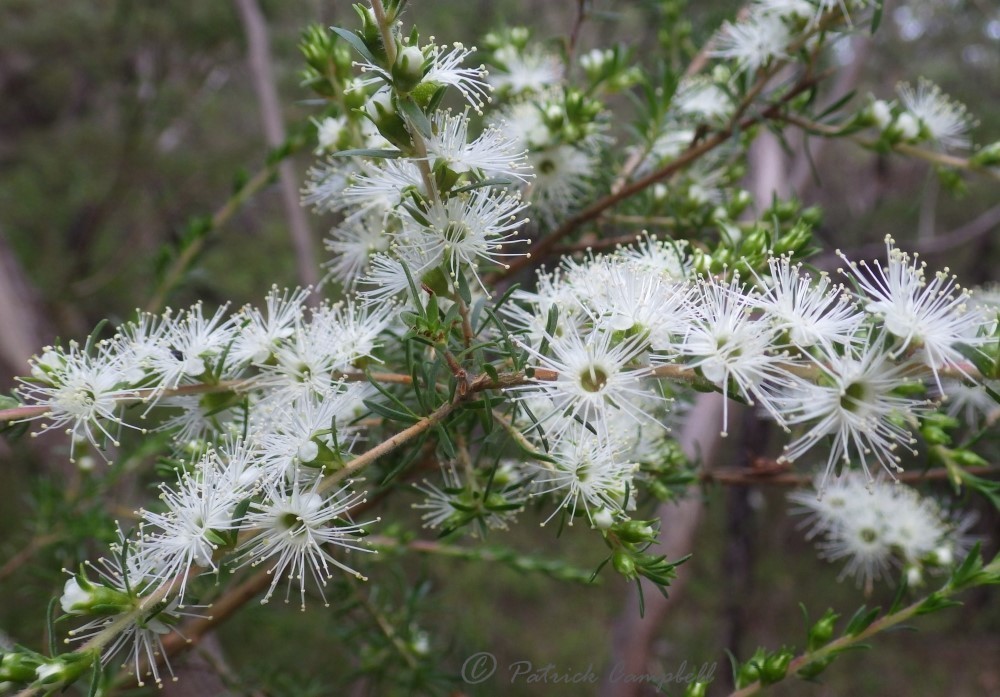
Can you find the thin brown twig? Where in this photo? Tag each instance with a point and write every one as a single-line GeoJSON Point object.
{"type": "Point", "coordinates": [544, 247]}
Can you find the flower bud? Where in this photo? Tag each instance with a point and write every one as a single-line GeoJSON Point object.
{"type": "Point", "coordinates": [64, 669]}
{"type": "Point", "coordinates": [408, 70]}
{"type": "Point", "coordinates": [821, 633]}
{"type": "Point", "coordinates": [603, 519]}
{"type": "Point", "coordinates": [775, 667]}
{"type": "Point", "coordinates": [793, 240]}
{"type": "Point", "coordinates": [81, 597]}
{"type": "Point", "coordinates": [696, 689]}
{"type": "Point", "coordinates": [370, 34]}
{"type": "Point", "coordinates": [748, 674]}
{"type": "Point", "coordinates": [943, 556]}
{"type": "Point", "coordinates": [19, 667]}
{"type": "Point", "coordinates": [382, 112]}
{"type": "Point", "coordinates": [739, 202]}
{"type": "Point", "coordinates": [907, 127]}
{"type": "Point", "coordinates": [623, 563]}
{"type": "Point", "coordinates": [881, 114]}
{"type": "Point", "coordinates": [636, 531]}
{"type": "Point", "coordinates": [987, 156]}
{"type": "Point", "coordinates": [914, 576]}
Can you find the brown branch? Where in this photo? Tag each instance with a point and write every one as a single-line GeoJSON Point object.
{"type": "Point", "coordinates": [544, 247]}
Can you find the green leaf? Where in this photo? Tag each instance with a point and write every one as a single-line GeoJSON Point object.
{"type": "Point", "coordinates": [877, 15]}
{"type": "Point", "coordinates": [355, 41]}
{"type": "Point", "coordinates": [481, 184]}
{"type": "Point", "coordinates": [861, 620]}
{"type": "Point", "coordinates": [50, 620]}
{"type": "Point", "coordinates": [95, 680]}
{"type": "Point", "coordinates": [390, 413]}
{"type": "Point", "coordinates": [837, 104]}
{"type": "Point", "coordinates": [447, 444]}
{"type": "Point", "coordinates": [463, 289]}
{"type": "Point", "coordinates": [416, 117]}
{"type": "Point", "coordinates": [369, 152]}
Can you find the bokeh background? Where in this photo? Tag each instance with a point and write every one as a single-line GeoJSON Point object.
{"type": "Point", "coordinates": [123, 122]}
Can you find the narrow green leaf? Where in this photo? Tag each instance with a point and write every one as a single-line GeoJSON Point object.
{"type": "Point", "coordinates": [417, 118]}
{"type": "Point", "coordinates": [861, 620]}
{"type": "Point", "coordinates": [355, 41]}
{"type": "Point", "coordinates": [50, 626]}
{"type": "Point", "coordinates": [369, 152]}
{"type": "Point", "coordinates": [389, 412]}
{"type": "Point", "coordinates": [481, 184]}
{"type": "Point", "coordinates": [877, 15]}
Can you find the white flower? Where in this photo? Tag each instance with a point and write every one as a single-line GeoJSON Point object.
{"type": "Point", "coordinates": [325, 184]}
{"type": "Point", "coordinates": [971, 403]}
{"type": "Point", "coordinates": [754, 42]}
{"type": "Point", "coordinates": [493, 153]}
{"type": "Point", "coordinates": [525, 71]}
{"type": "Point", "coordinates": [187, 534]}
{"type": "Point", "coordinates": [594, 375]}
{"type": "Point", "coordinates": [465, 228]}
{"type": "Point", "coordinates": [387, 272]}
{"type": "Point", "coordinates": [863, 539]}
{"type": "Point", "coordinates": [946, 121]}
{"type": "Point", "coordinates": [927, 315]}
{"type": "Point", "coordinates": [192, 346]}
{"type": "Point", "coordinates": [810, 313]}
{"type": "Point", "coordinates": [455, 505]}
{"type": "Point", "coordinates": [854, 402]}
{"type": "Point", "coordinates": [729, 346]}
{"type": "Point", "coordinates": [562, 179]}
{"type": "Point", "coordinates": [80, 392]}
{"type": "Point", "coordinates": [878, 524]}
{"type": "Point", "coordinates": [523, 121]}
{"type": "Point", "coordinates": [701, 99]}
{"type": "Point", "coordinates": [667, 258]}
{"type": "Point", "coordinates": [382, 185]}
{"type": "Point", "coordinates": [637, 302]}
{"type": "Point", "coordinates": [311, 429]}
{"type": "Point", "coordinates": [328, 133]}
{"type": "Point", "coordinates": [587, 471]}
{"type": "Point", "coordinates": [293, 526]}
{"type": "Point", "coordinates": [139, 634]}
{"type": "Point", "coordinates": [353, 243]}
{"type": "Point", "coordinates": [445, 69]}
{"type": "Point", "coordinates": [261, 333]}
{"type": "Point", "coordinates": [789, 9]}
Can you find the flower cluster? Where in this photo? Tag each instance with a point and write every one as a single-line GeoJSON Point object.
{"type": "Point", "coordinates": [576, 378]}
{"type": "Point", "coordinates": [922, 114]}
{"type": "Point", "coordinates": [878, 525]}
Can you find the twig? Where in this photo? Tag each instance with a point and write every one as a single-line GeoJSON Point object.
{"type": "Point", "coordinates": [544, 247]}
{"type": "Point", "coordinates": [846, 642]}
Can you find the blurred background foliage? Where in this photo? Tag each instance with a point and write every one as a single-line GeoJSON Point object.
{"type": "Point", "coordinates": [122, 120]}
